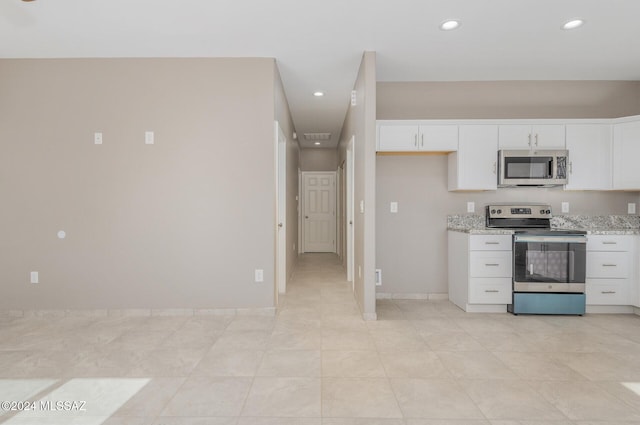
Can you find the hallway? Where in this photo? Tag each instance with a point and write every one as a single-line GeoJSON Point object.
{"type": "Point", "coordinates": [318, 363]}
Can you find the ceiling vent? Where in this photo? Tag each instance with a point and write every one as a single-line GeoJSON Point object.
{"type": "Point", "coordinates": [317, 136]}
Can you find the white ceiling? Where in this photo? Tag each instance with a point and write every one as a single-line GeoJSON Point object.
{"type": "Point", "coordinates": [318, 44]}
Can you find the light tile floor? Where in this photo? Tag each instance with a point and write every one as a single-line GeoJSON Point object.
{"type": "Point", "coordinates": [318, 363]}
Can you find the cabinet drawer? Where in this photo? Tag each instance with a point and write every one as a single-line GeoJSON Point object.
{"type": "Point", "coordinates": [608, 292]}
{"type": "Point", "coordinates": [608, 265]}
{"type": "Point", "coordinates": [490, 264]}
{"type": "Point", "coordinates": [609, 243]}
{"type": "Point", "coordinates": [490, 243]}
{"type": "Point", "coordinates": [490, 291]}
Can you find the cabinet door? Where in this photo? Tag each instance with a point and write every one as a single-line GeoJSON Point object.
{"type": "Point", "coordinates": [589, 147]}
{"type": "Point", "coordinates": [514, 136]}
{"type": "Point", "coordinates": [548, 136]}
{"type": "Point", "coordinates": [439, 138]}
{"type": "Point", "coordinates": [473, 167]}
{"type": "Point", "coordinates": [626, 151]}
{"type": "Point", "coordinates": [398, 138]}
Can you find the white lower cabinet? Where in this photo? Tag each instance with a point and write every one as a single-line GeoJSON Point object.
{"type": "Point", "coordinates": [612, 274]}
{"type": "Point", "coordinates": [480, 271]}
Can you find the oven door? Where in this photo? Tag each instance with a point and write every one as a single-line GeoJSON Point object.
{"type": "Point", "coordinates": [549, 263]}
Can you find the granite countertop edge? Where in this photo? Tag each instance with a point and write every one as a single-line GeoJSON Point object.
{"type": "Point", "coordinates": [492, 231]}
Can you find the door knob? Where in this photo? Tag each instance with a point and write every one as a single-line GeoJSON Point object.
{"type": "Point", "coordinates": [279, 224]}
{"type": "Point", "coordinates": [306, 216]}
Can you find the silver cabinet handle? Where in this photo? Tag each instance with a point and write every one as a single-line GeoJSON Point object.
{"type": "Point", "coordinates": [491, 290]}
{"type": "Point", "coordinates": [609, 243]}
{"type": "Point", "coordinates": [607, 292]}
{"type": "Point", "coordinates": [494, 167]}
{"type": "Point", "coordinates": [529, 143]}
{"type": "Point", "coordinates": [536, 139]}
{"type": "Point", "coordinates": [422, 140]}
{"type": "Point", "coordinates": [531, 268]}
{"type": "Point", "coordinates": [492, 243]}
{"type": "Point", "coordinates": [415, 140]}
{"type": "Point", "coordinates": [609, 265]}
{"type": "Point", "coordinates": [570, 167]}
{"type": "Point", "coordinates": [491, 264]}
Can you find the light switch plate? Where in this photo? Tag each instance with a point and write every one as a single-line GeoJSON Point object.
{"type": "Point", "coordinates": [631, 208]}
{"type": "Point", "coordinates": [97, 138]}
{"type": "Point", "coordinates": [149, 138]}
{"type": "Point", "coordinates": [259, 275]}
{"type": "Point", "coordinates": [34, 277]}
{"type": "Point", "coordinates": [361, 207]}
{"type": "Point", "coordinates": [393, 207]}
{"type": "Point", "coordinates": [565, 207]}
{"type": "Point", "coordinates": [471, 207]}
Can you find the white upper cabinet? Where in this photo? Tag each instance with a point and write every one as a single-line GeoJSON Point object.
{"type": "Point", "coordinates": [537, 136]}
{"type": "Point", "coordinates": [474, 165]}
{"type": "Point", "coordinates": [626, 151]}
{"type": "Point", "coordinates": [415, 138]}
{"type": "Point", "coordinates": [589, 147]}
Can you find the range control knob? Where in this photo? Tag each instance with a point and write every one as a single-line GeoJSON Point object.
{"type": "Point", "coordinates": [542, 212]}
{"type": "Point", "coordinates": [499, 211]}
{"type": "Point", "coordinates": [493, 211]}
{"type": "Point", "coordinates": [548, 211]}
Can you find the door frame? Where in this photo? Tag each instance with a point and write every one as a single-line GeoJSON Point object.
{"type": "Point", "coordinates": [281, 210]}
{"type": "Point", "coordinates": [302, 204]}
{"type": "Point", "coordinates": [349, 222]}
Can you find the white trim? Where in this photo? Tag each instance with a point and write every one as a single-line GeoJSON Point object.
{"type": "Point", "coordinates": [140, 312]}
{"type": "Point", "coordinates": [510, 121]}
{"type": "Point", "coordinates": [412, 296]}
{"type": "Point", "coordinates": [350, 211]}
{"type": "Point", "coordinates": [280, 277]}
{"type": "Point", "coordinates": [610, 309]}
{"type": "Point", "coordinates": [369, 316]}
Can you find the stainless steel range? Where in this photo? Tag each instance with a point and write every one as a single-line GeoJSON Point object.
{"type": "Point", "coordinates": [549, 265]}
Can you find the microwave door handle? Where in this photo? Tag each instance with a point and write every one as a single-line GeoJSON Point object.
{"type": "Point", "coordinates": [530, 268]}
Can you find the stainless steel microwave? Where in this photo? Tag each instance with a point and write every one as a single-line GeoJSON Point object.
{"type": "Point", "coordinates": [532, 167]}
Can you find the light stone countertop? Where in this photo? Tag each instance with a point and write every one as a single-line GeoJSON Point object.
{"type": "Point", "coordinates": [594, 225]}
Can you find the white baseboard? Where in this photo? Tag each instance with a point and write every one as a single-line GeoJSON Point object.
{"type": "Point", "coordinates": [411, 296]}
{"type": "Point", "coordinates": [369, 316]}
{"type": "Point", "coordinates": [611, 309]}
{"type": "Point", "coordinates": [140, 312]}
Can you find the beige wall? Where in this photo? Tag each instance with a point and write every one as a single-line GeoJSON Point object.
{"type": "Point", "coordinates": [318, 159]}
{"type": "Point", "coordinates": [411, 245]}
{"type": "Point", "coordinates": [360, 122]}
{"type": "Point", "coordinates": [283, 116]}
{"type": "Point", "coordinates": [507, 99]}
{"type": "Point", "coordinates": [180, 224]}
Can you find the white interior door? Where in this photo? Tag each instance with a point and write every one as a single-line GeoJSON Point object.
{"type": "Point", "coordinates": [281, 213]}
{"type": "Point", "coordinates": [350, 161]}
{"type": "Point", "coordinates": [319, 212]}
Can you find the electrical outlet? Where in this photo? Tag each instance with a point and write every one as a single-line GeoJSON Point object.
{"type": "Point", "coordinates": [565, 207]}
{"type": "Point", "coordinates": [35, 278]}
{"type": "Point", "coordinates": [631, 208]}
{"type": "Point", "coordinates": [471, 207]}
{"type": "Point", "coordinates": [97, 138]}
{"type": "Point", "coordinates": [259, 275]}
{"type": "Point", "coordinates": [378, 277]}
{"type": "Point", "coordinates": [393, 206]}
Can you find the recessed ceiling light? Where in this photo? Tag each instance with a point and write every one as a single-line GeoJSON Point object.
{"type": "Point", "coordinates": [317, 143]}
{"type": "Point", "coordinates": [449, 24]}
{"type": "Point", "coordinates": [318, 93]}
{"type": "Point", "coordinates": [573, 24]}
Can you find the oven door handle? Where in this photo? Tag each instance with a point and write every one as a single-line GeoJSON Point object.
{"type": "Point", "coordinates": [550, 239]}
